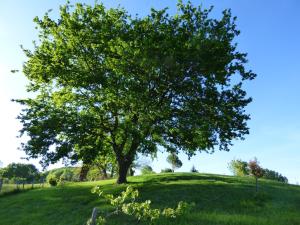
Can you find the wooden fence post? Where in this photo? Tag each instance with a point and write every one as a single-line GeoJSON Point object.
{"type": "Point", "coordinates": [94, 216]}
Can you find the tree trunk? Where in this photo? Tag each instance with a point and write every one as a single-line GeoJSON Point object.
{"type": "Point", "coordinates": [125, 161]}
{"type": "Point", "coordinates": [123, 170]}
{"type": "Point", "coordinates": [131, 171]}
{"type": "Point", "coordinates": [83, 172]}
{"type": "Point", "coordinates": [104, 173]}
{"type": "Point", "coordinates": [112, 172]}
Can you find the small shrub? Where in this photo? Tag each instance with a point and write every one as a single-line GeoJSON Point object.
{"type": "Point", "coordinates": [238, 167]}
{"type": "Point", "coordinates": [147, 170]}
{"type": "Point", "coordinates": [174, 160]}
{"type": "Point", "coordinates": [194, 170]}
{"type": "Point", "coordinates": [167, 170]}
{"type": "Point", "coordinates": [93, 174]}
{"type": "Point", "coordinates": [52, 180]}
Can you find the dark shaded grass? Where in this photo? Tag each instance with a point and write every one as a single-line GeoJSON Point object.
{"type": "Point", "coordinates": [223, 200]}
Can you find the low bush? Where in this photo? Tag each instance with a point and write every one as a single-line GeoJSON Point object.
{"type": "Point", "coordinates": [167, 170]}
{"type": "Point", "coordinates": [52, 180]}
{"type": "Point", "coordinates": [94, 174]}
{"type": "Point", "coordinates": [194, 170]}
{"type": "Point", "coordinates": [147, 170]}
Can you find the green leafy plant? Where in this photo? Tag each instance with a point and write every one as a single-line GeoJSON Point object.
{"type": "Point", "coordinates": [52, 180]}
{"type": "Point", "coordinates": [167, 170]}
{"type": "Point", "coordinates": [126, 203]}
{"type": "Point", "coordinates": [238, 167]}
{"type": "Point", "coordinates": [174, 160]}
{"type": "Point", "coordinates": [147, 170]}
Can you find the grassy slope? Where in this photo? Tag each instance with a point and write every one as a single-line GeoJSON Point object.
{"type": "Point", "coordinates": [219, 200]}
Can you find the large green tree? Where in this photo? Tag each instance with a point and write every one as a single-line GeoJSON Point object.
{"type": "Point", "coordinates": [105, 81]}
{"type": "Point", "coordinates": [20, 170]}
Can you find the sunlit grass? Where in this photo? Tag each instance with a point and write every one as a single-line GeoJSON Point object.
{"type": "Point", "coordinates": [222, 200]}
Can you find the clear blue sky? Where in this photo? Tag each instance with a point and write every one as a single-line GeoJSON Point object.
{"type": "Point", "coordinates": [270, 34]}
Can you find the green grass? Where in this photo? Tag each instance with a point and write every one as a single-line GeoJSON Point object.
{"type": "Point", "coordinates": [220, 200]}
{"type": "Point", "coordinates": [12, 188]}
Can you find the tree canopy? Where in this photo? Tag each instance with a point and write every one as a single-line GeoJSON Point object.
{"type": "Point", "coordinates": [174, 160]}
{"type": "Point", "coordinates": [20, 170]}
{"type": "Point", "coordinates": [238, 167]}
{"type": "Point", "coordinates": [105, 81]}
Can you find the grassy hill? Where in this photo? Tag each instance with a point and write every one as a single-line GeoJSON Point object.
{"type": "Point", "coordinates": [219, 200]}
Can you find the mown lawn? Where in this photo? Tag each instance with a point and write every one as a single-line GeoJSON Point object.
{"type": "Point", "coordinates": [219, 200]}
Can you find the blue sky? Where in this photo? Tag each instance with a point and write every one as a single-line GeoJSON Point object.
{"type": "Point", "coordinates": [270, 34]}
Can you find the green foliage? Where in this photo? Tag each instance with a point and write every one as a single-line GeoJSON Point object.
{"type": "Point", "coordinates": [67, 175]}
{"type": "Point", "coordinates": [167, 170]}
{"type": "Point", "coordinates": [255, 169]}
{"type": "Point", "coordinates": [106, 82]}
{"type": "Point", "coordinates": [19, 170]}
{"type": "Point", "coordinates": [52, 180]}
{"type": "Point", "coordinates": [238, 167]}
{"type": "Point", "coordinates": [241, 168]}
{"type": "Point", "coordinates": [63, 174]}
{"type": "Point", "coordinates": [147, 170]}
{"type": "Point", "coordinates": [93, 174]}
{"type": "Point", "coordinates": [126, 203]}
{"type": "Point", "coordinates": [105, 164]}
{"type": "Point", "coordinates": [1, 172]}
{"type": "Point", "coordinates": [174, 160]}
{"type": "Point", "coordinates": [273, 175]}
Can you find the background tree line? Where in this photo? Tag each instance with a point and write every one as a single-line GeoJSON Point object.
{"type": "Point", "coordinates": [242, 168]}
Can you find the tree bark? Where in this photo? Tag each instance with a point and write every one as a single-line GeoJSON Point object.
{"type": "Point", "coordinates": [123, 170]}
{"type": "Point", "coordinates": [104, 173]}
{"type": "Point", "coordinates": [131, 171]}
{"type": "Point", "coordinates": [125, 161]}
{"type": "Point", "coordinates": [83, 172]}
{"type": "Point", "coordinates": [112, 172]}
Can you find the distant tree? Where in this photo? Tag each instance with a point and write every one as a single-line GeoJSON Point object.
{"type": "Point", "coordinates": [147, 170]}
{"type": "Point", "coordinates": [241, 168]}
{"type": "Point", "coordinates": [174, 160]}
{"type": "Point", "coordinates": [273, 175]}
{"type": "Point", "coordinates": [194, 170]}
{"type": "Point", "coordinates": [106, 81]}
{"type": "Point", "coordinates": [20, 170]}
{"type": "Point", "coordinates": [238, 167]}
{"type": "Point", "coordinates": [255, 170]}
{"type": "Point", "coordinates": [167, 170]}
{"type": "Point", "coordinates": [1, 164]}
{"type": "Point", "coordinates": [67, 175]}
{"type": "Point", "coordinates": [104, 164]}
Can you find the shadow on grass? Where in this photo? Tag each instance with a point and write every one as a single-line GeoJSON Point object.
{"type": "Point", "coordinates": [221, 200]}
